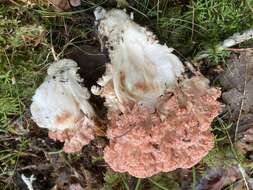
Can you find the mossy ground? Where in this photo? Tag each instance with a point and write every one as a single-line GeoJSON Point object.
{"type": "Point", "coordinates": [32, 36]}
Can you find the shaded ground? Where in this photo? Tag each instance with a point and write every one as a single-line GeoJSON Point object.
{"type": "Point", "coordinates": [32, 36]}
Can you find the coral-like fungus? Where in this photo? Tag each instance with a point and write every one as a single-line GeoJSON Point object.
{"type": "Point", "coordinates": [158, 119]}
{"type": "Point", "coordinates": [75, 138]}
{"type": "Point", "coordinates": [156, 124]}
{"type": "Point", "coordinates": [175, 136]}
{"type": "Point", "coordinates": [61, 105]}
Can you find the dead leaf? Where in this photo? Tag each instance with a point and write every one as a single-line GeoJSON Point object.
{"type": "Point", "coordinates": [216, 178]}
{"type": "Point", "coordinates": [62, 5]}
{"type": "Point", "coordinates": [237, 81]}
{"type": "Point", "coordinates": [245, 142]}
{"type": "Point", "coordinates": [75, 3]}
{"type": "Point", "coordinates": [68, 180]}
{"type": "Point", "coordinates": [75, 186]}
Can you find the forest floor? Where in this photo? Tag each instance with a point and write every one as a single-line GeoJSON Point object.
{"type": "Point", "coordinates": [34, 33]}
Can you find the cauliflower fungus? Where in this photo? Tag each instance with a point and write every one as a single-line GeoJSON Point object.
{"type": "Point", "coordinates": [176, 135]}
{"type": "Point", "coordinates": [61, 105]}
{"type": "Point", "coordinates": [158, 119]}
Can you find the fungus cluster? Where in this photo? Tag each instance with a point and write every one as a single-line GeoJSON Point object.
{"type": "Point", "coordinates": [158, 119]}
{"type": "Point", "coordinates": [176, 135]}
{"type": "Point", "coordinates": [61, 105]}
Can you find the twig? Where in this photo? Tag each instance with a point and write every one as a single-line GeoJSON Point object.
{"type": "Point", "coordinates": [244, 175]}
{"type": "Point", "coordinates": [242, 102]}
{"type": "Point", "coordinates": [239, 49]}
{"type": "Point", "coordinates": [238, 38]}
{"type": "Point", "coordinates": [53, 53]}
{"type": "Point", "coordinates": [233, 40]}
{"type": "Point", "coordinates": [35, 167]}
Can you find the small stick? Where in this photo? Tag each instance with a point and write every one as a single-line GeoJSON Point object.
{"type": "Point", "coordinates": [233, 40]}
{"type": "Point", "coordinates": [239, 49]}
{"type": "Point", "coordinates": [242, 102]}
{"type": "Point", "coordinates": [53, 53]}
{"type": "Point", "coordinates": [238, 38]}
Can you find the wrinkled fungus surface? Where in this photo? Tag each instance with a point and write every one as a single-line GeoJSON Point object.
{"type": "Point", "coordinates": [155, 123]}
{"type": "Point", "coordinates": [175, 136]}
{"type": "Point", "coordinates": [158, 120]}
{"type": "Point", "coordinates": [74, 138]}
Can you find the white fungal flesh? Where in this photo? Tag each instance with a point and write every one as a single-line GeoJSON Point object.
{"type": "Point", "coordinates": [61, 101]}
{"type": "Point", "coordinates": [142, 68]}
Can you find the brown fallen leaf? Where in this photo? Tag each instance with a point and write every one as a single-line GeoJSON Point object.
{"type": "Point", "coordinates": [62, 5]}
{"type": "Point", "coordinates": [67, 179]}
{"type": "Point", "coordinates": [216, 178]}
{"type": "Point", "coordinates": [237, 81]}
{"type": "Point", "coordinates": [245, 142]}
